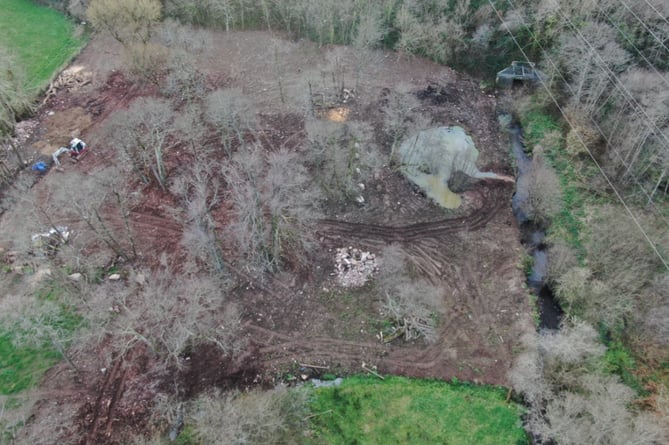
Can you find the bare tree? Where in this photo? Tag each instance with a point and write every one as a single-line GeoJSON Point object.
{"type": "Point", "coordinates": [371, 30]}
{"type": "Point", "coordinates": [170, 313]}
{"type": "Point", "coordinates": [586, 58]}
{"type": "Point", "coordinates": [273, 203]}
{"type": "Point", "coordinates": [128, 21]}
{"type": "Point", "coordinates": [232, 114]}
{"type": "Point", "coordinates": [571, 402]}
{"type": "Point", "coordinates": [561, 258]}
{"type": "Point", "coordinates": [429, 32]}
{"type": "Point", "coordinates": [222, 14]}
{"type": "Point", "coordinates": [46, 323]}
{"type": "Point", "coordinates": [343, 155]}
{"type": "Point", "coordinates": [104, 209]}
{"type": "Point", "coordinates": [201, 191]}
{"type": "Point", "coordinates": [256, 417]}
{"type": "Point", "coordinates": [140, 134]}
{"type": "Point", "coordinates": [132, 23]}
{"type": "Point", "coordinates": [582, 136]}
{"type": "Point", "coordinates": [91, 212]}
{"type": "Point", "coordinates": [183, 80]}
{"type": "Point", "coordinates": [190, 128]}
{"type": "Point", "coordinates": [544, 200]}
{"type": "Point", "coordinates": [402, 117]}
{"type": "Point", "coordinates": [654, 317]}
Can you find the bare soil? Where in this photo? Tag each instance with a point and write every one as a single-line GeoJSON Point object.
{"type": "Point", "coordinates": [289, 320]}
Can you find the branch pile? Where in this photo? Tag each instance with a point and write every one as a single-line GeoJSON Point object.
{"type": "Point", "coordinates": [70, 80]}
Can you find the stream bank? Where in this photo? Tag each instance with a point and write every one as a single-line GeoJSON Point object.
{"type": "Point", "coordinates": [533, 237]}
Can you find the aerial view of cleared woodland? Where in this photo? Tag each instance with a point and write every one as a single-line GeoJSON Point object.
{"type": "Point", "coordinates": [334, 222]}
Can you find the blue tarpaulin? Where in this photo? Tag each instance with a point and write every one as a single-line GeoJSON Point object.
{"type": "Point", "coordinates": [40, 167]}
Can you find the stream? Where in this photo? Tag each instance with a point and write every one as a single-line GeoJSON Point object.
{"type": "Point", "coordinates": [532, 237]}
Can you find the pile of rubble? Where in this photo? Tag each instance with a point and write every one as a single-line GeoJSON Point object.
{"type": "Point", "coordinates": [354, 266]}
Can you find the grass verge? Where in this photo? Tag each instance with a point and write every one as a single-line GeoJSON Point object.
{"type": "Point", "coordinates": [541, 128]}
{"type": "Point", "coordinates": [21, 368]}
{"type": "Point", "coordinates": [400, 410]}
{"type": "Point", "coordinates": [32, 343]}
{"type": "Point", "coordinates": [42, 39]}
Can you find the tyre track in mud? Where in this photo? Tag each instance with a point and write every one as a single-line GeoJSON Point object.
{"type": "Point", "coordinates": [277, 348]}
{"type": "Point", "coordinates": [478, 219]}
{"type": "Point", "coordinates": [434, 360]}
{"type": "Point", "coordinates": [100, 417]}
{"type": "Point", "coordinates": [425, 244]}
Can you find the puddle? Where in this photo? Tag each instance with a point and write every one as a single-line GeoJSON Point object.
{"type": "Point", "coordinates": [438, 191]}
{"type": "Point", "coordinates": [430, 157]}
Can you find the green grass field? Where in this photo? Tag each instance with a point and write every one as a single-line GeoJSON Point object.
{"type": "Point", "coordinates": [41, 39]}
{"type": "Point", "coordinates": [21, 368]}
{"type": "Point", "coordinates": [406, 411]}
{"type": "Point", "coordinates": [27, 350]}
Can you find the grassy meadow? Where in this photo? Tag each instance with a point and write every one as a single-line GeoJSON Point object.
{"type": "Point", "coordinates": [40, 38]}
{"type": "Point", "coordinates": [398, 410]}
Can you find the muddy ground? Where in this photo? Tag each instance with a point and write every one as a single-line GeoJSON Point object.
{"type": "Point", "coordinates": [473, 253]}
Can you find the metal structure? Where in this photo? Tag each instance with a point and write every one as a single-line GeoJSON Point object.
{"type": "Point", "coordinates": [521, 71]}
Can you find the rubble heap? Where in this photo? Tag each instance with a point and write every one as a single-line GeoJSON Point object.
{"type": "Point", "coordinates": [354, 266]}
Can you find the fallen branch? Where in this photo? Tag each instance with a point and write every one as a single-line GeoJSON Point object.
{"type": "Point", "coordinates": [304, 365]}
{"type": "Point", "coordinates": [374, 373]}
{"type": "Point", "coordinates": [398, 333]}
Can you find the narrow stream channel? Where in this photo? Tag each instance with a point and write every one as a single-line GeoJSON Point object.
{"type": "Point", "coordinates": [532, 237]}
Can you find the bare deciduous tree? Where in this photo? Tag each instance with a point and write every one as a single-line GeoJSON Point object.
{"type": "Point", "coordinates": [231, 114]}
{"type": "Point", "coordinates": [128, 21]}
{"type": "Point", "coordinates": [200, 191]}
{"type": "Point", "coordinates": [582, 137]}
{"type": "Point", "coordinates": [434, 35]}
{"type": "Point", "coordinates": [654, 317]}
{"type": "Point", "coordinates": [45, 323]}
{"type": "Point", "coordinates": [343, 155]}
{"type": "Point", "coordinates": [402, 117]}
{"type": "Point", "coordinates": [183, 80]}
{"type": "Point", "coordinates": [257, 417]}
{"type": "Point", "coordinates": [571, 402]}
{"type": "Point", "coordinates": [170, 313]}
{"type": "Point", "coordinates": [273, 204]}
{"type": "Point", "coordinates": [586, 58]}
{"type": "Point", "coordinates": [132, 23]}
{"type": "Point", "coordinates": [371, 29]}
{"type": "Point", "coordinates": [544, 200]}
{"type": "Point", "coordinates": [140, 135]}
{"type": "Point", "coordinates": [104, 208]}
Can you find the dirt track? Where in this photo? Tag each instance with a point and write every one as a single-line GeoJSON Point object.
{"type": "Point", "coordinates": [389, 234]}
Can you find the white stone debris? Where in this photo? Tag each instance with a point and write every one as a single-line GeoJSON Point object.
{"type": "Point", "coordinates": [354, 266]}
